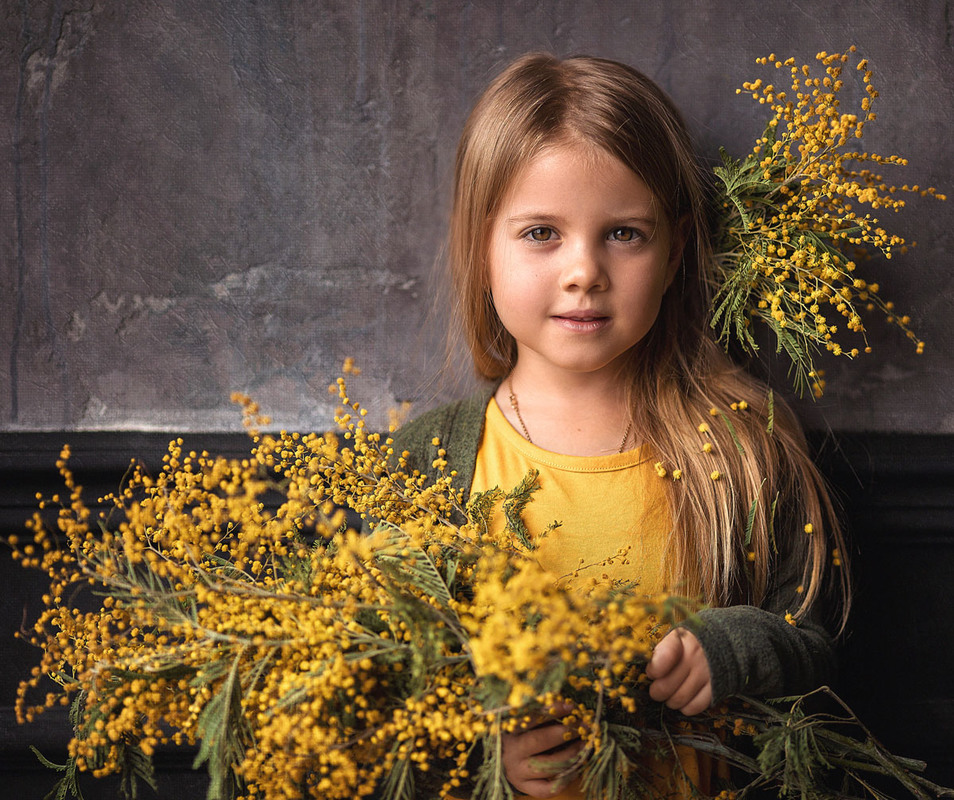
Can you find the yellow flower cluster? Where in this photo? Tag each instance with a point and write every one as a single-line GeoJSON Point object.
{"type": "Point", "coordinates": [304, 658]}
{"type": "Point", "coordinates": [791, 232]}
{"type": "Point", "coordinates": [581, 632]}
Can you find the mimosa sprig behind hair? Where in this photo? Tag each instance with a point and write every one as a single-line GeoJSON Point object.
{"type": "Point", "coordinates": [789, 234]}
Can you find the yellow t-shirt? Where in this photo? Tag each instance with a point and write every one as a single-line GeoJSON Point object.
{"type": "Point", "coordinates": [605, 504]}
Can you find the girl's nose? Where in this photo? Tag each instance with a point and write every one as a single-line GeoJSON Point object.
{"type": "Point", "coordinates": [583, 269]}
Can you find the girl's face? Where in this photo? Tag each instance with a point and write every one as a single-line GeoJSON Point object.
{"type": "Point", "coordinates": [580, 256]}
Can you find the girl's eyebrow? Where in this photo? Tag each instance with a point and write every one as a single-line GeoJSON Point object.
{"type": "Point", "coordinates": [531, 216]}
{"type": "Point", "coordinates": [526, 217]}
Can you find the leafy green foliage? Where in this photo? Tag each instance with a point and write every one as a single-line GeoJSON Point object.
{"type": "Point", "coordinates": [789, 234]}
{"type": "Point", "coordinates": [514, 504]}
{"type": "Point", "coordinates": [223, 732]}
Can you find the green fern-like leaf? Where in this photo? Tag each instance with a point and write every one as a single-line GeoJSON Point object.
{"type": "Point", "coordinates": [399, 783]}
{"type": "Point", "coordinates": [491, 783]}
{"type": "Point", "coordinates": [608, 771]}
{"type": "Point", "coordinates": [481, 508]}
{"type": "Point", "coordinates": [410, 564]}
{"type": "Point", "coordinates": [137, 768]}
{"type": "Point", "coordinates": [221, 729]}
{"type": "Point", "coordinates": [732, 432]}
{"type": "Point", "coordinates": [513, 506]}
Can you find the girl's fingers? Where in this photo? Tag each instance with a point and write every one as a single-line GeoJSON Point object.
{"type": "Point", "coordinates": [537, 775]}
{"type": "Point", "coordinates": [680, 673]}
{"type": "Point", "coordinates": [555, 761]}
{"type": "Point", "coordinates": [700, 702]}
{"type": "Point", "coordinates": [537, 743]}
{"type": "Point", "coordinates": [695, 685]}
{"type": "Point", "coordinates": [668, 667]}
{"type": "Point", "coordinates": [664, 687]}
{"type": "Point", "coordinates": [543, 749]}
{"type": "Point", "coordinates": [543, 787]}
{"type": "Point", "coordinates": [667, 654]}
{"type": "Point", "coordinates": [533, 759]}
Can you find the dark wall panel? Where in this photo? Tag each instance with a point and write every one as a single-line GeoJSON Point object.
{"type": "Point", "coordinates": [896, 491]}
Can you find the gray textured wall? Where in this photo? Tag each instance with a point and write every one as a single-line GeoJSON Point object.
{"type": "Point", "coordinates": [198, 197]}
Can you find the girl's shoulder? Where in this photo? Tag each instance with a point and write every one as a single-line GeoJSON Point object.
{"type": "Point", "coordinates": [455, 426]}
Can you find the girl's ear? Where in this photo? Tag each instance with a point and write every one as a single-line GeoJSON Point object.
{"type": "Point", "coordinates": [677, 243]}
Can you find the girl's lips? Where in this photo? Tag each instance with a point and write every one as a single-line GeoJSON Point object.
{"type": "Point", "coordinates": [581, 315]}
{"type": "Point", "coordinates": [581, 321]}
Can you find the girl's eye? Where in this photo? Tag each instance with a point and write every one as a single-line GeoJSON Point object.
{"type": "Point", "coordinates": [540, 234]}
{"type": "Point", "coordinates": [624, 234]}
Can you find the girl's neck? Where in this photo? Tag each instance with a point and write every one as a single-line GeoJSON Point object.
{"type": "Point", "coordinates": [573, 414]}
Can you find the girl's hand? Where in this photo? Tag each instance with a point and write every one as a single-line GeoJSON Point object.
{"type": "Point", "coordinates": [679, 672]}
{"type": "Point", "coordinates": [534, 756]}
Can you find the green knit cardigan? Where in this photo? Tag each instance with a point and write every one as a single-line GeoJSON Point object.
{"type": "Point", "coordinates": [751, 650]}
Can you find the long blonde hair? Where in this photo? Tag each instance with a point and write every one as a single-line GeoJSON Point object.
{"type": "Point", "coordinates": [767, 509]}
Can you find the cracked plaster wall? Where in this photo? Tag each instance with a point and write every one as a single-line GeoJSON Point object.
{"type": "Point", "coordinates": [202, 197]}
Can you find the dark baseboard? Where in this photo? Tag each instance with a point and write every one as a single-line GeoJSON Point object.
{"type": "Point", "coordinates": [897, 491]}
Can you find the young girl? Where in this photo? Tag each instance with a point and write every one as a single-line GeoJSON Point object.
{"type": "Point", "coordinates": [581, 261]}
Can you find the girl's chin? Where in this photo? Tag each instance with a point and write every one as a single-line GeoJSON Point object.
{"type": "Point", "coordinates": [571, 368]}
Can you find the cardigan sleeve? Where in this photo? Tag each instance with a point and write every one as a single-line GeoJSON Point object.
{"type": "Point", "coordinates": [756, 651]}
{"type": "Point", "coordinates": [457, 426]}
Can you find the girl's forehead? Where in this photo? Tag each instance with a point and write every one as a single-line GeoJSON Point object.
{"type": "Point", "coordinates": [583, 150]}
{"type": "Point", "coordinates": [588, 158]}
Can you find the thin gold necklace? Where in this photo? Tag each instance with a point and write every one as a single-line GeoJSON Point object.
{"type": "Point", "coordinates": [516, 410]}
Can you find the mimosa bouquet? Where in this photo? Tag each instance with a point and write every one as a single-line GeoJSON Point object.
{"type": "Point", "coordinates": [237, 612]}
